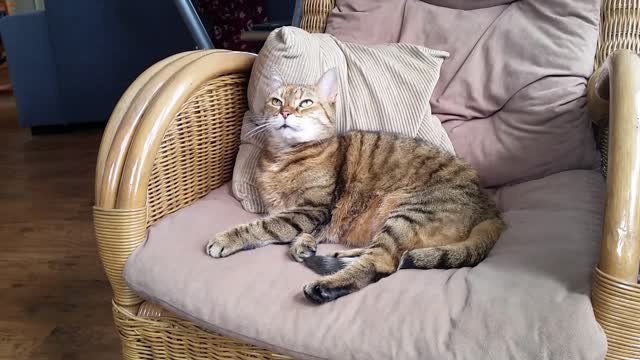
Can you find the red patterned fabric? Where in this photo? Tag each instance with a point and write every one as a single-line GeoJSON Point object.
{"type": "Point", "coordinates": [226, 19]}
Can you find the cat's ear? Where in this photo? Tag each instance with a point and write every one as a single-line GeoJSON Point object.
{"type": "Point", "coordinates": [328, 85]}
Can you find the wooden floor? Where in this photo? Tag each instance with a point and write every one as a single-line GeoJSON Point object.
{"type": "Point", "coordinates": [54, 297]}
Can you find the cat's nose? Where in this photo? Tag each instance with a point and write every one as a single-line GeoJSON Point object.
{"type": "Point", "coordinates": [285, 114]}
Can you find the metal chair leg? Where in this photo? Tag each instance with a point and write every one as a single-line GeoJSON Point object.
{"type": "Point", "coordinates": [194, 24]}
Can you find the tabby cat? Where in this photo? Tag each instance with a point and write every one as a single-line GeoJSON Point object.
{"type": "Point", "coordinates": [398, 202]}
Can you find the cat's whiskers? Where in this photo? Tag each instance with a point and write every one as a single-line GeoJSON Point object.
{"type": "Point", "coordinates": [258, 129]}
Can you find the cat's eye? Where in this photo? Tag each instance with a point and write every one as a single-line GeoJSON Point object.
{"type": "Point", "coordinates": [276, 102]}
{"type": "Point", "coordinates": [305, 103]}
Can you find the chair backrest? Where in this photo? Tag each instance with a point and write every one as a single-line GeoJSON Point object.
{"type": "Point", "coordinates": [618, 24]}
{"type": "Point", "coordinates": [618, 28]}
{"type": "Point", "coordinates": [315, 14]}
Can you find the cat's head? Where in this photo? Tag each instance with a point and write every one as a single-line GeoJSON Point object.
{"type": "Point", "coordinates": [296, 114]}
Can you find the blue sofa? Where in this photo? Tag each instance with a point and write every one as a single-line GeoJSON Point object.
{"type": "Point", "coordinates": [71, 63]}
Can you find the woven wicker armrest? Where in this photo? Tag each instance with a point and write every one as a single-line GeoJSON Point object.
{"type": "Point", "coordinates": [171, 139]}
{"type": "Point", "coordinates": [614, 96]}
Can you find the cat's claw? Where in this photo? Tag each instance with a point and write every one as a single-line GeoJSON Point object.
{"type": "Point", "coordinates": [222, 245]}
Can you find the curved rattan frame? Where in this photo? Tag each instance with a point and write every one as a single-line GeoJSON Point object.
{"type": "Point", "coordinates": [132, 145]}
{"type": "Point", "coordinates": [197, 99]}
{"type": "Point", "coordinates": [616, 293]}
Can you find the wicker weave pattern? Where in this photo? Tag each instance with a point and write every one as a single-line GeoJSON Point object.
{"type": "Point", "coordinates": [128, 227]}
{"type": "Point", "coordinates": [617, 309]}
{"type": "Point", "coordinates": [602, 140]}
{"type": "Point", "coordinates": [172, 338]}
{"type": "Point", "coordinates": [198, 150]}
{"type": "Point", "coordinates": [619, 29]}
{"type": "Point", "coordinates": [314, 15]}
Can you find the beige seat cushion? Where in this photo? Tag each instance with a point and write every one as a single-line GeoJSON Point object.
{"type": "Point", "coordinates": [528, 300]}
{"type": "Point", "coordinates": [382, 88]}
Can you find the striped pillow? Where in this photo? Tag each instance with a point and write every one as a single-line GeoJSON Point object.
{"type": "Point", "coordinates": [382, 88]}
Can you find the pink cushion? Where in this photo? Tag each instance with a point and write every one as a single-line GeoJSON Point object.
{"type": "Point", "coordinates": [512, 93]}
{"type": "Point", "coordinates": [468, 5]}
{"type": "Point", "coordinates": [528, 300]}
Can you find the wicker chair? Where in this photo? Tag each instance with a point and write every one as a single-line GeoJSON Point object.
{"type": "Point", "coordinates": [173, 137]}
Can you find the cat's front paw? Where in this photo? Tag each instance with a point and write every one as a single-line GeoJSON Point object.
{"type": "Point", "coordinates": [303, 247]}
{"type": "Point", "coordinates": [223, 244]}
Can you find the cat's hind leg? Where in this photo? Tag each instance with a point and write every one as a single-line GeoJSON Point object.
{"type": "Point", "coordinates": [379, 260]}
{"type": "Point", "coordinates": [369, 267]}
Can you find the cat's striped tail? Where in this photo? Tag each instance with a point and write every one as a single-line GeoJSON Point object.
{"type": "Point", "coordinates": [469, 252]}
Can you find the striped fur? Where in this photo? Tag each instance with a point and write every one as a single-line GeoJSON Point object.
{"type": "Point", "coordinates": [398, 202]}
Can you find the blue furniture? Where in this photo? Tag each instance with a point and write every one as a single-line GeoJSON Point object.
{"type": "Point", "coordinates": [71, 63]}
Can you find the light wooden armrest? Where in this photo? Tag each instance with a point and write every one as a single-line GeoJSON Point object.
{"type": "Point", "coordinates": [124, 120]}
{"type": "Point", "coordinates": [614, 96]}
{"type": "Point", "coordinates": [171, 139]}
{"type": "Point", "coordinates": [617, 84]}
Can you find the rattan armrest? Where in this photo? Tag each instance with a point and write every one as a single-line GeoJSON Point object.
{"type": "Point", "coordinates": [171, 139]}
{"type": "Point", "coordinates": [614, 95]}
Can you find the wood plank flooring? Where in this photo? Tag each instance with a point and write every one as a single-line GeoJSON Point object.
{"type": "Point", "coordinates": [54, 296]}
